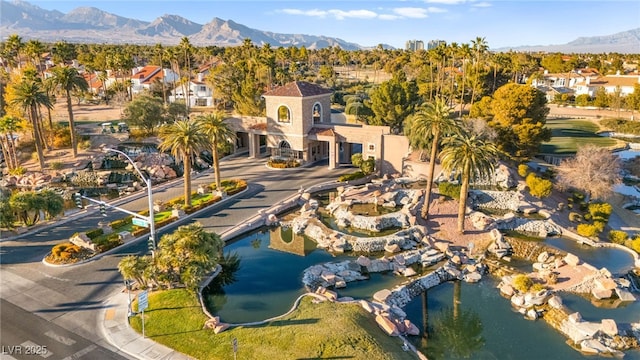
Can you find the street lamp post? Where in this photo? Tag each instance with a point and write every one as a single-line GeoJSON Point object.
{"type": "Point", "coordinates": [147, 181]}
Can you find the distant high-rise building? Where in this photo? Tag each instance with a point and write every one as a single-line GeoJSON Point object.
{"type": "Point", "coordinates": [432, 44]}
{"type": "Point", "coordinates": [414, 45]}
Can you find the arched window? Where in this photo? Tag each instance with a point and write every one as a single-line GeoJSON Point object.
{"type": "Point", "coordinates": [284, 114]}
{"type": "Point", "coordinates": [284, 144]}
{"type": "Point", "coordinates": [317, 113]}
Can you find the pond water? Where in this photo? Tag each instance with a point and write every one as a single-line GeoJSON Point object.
{"type": "Point", "coordinates": [617, 261]}
{"type": "Point", "coordinates": [270, 279]}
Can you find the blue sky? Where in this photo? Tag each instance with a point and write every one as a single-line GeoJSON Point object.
{"type": "Point", "coordinates": [503, 23]}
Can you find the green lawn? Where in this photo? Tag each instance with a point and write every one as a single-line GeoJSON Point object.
{"type": "Point", "coordinates": [314, 331]}
{"type": "Point", "coordinates": [568, 134]}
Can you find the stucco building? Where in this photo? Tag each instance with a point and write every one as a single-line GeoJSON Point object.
{"type": "Point", "coordinates": [299, 126]}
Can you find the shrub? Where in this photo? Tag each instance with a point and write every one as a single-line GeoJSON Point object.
{"type": "Point", "coordinates": [523, 170]}
{"type": "Point", "coordinates": [602, 210]}
{"type": "Point", "coordinates": [522, 283]}
{"type": "Point", "coordinates": [537, 287]}
{"type": "Point", "coordinates": [635, 245]}
{"type": "Point", "coordinates": [618, 236]}
{"type": "Point", "coordinates": [92, 234]}
{"type": "Point", "coordinates": [587, 230]}
{"type": "Point", "coordinates": [599, 225]}
{"type": "Point", "coordinates": [18, 171]}
{"type": "Point", "coordinates": [353, 176]}
{"type": "Point", "coordinates": [283, 163]}
{"type": "Point", "coordinates": [539, 187]}
{"type": "Point", "coordinates": [449, 189]}
{"type": "Point", "coordinates": [56, 165]}
{"type": "Point", "coordinates": [115, 224]}
{"type": "Point", "coordinates": [575, 217]}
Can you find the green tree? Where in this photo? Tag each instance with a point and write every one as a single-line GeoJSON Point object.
{"type": "Point", "coordinates": [68, 79]}
{"type": "Point", "coordinates": [217, 131]}
{"type": "Point", "coordinates": [519, 117]}
{"type": "Point", "coordinates": [184, 139]}
{"type": "Point", "coordinates": [146, 112]}
{"type": "Point", "coordinates": [187, 255]}
{"type": "Point", "coordinates": [470, 155]}
{"type": "Point", "coordinates": [426, 127]}
{"type": "Point", "coordinates": [601, 99]}
{"type": "Point", "coordinates": [247, 98]}
{"type": "Point", "coordinates": [583, 100]}
{"type": "Point", "coordinates": [133, 267]}
{"type": "Point", "coordinates": [30, 95]}
{"type": "Point", "coordinates": [392, 102]}
{"type": "Point", "coordinates": [7, 214]}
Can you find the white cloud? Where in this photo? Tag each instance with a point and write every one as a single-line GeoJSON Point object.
{"type": "Point", "coordinates": [360, 14]}
{"type": "Point", "coordinates": [389, 17]}
{"type": "Point", "coordinates": [432, 9]}
{"type": "Point", "coordinates": [411, 12]}
{"type": "Point", "coordinates": [336, 13]}
{"type": "Point", "coordinates": [312, 12]}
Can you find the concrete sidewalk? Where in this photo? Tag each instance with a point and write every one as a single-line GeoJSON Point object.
{"type": "Point", "coordinates": [116, 330]}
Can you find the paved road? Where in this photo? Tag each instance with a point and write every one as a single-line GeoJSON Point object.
{"type": "Point", "coordinates": [68, 297]}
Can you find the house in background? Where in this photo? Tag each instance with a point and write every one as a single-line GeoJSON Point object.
{"type": "Point", "coordinates": [143, 77]}
{"type": "Point", "coordinates": [610, 83]}
{"type": "Point", "coordinates": [200, 94]}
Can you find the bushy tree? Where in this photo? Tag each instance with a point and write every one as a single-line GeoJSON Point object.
{"type": "Point", "coordinates": [519, 116]}
{"type": "Point", "coordinates": [593, 171]}
{"type": "Point", "coordinates": [392, 102]}
{"type": "Point", "coordinates": [146, 112]}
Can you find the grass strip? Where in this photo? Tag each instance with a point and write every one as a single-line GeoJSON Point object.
{"type": "Point", "coordinates": [313, 331]}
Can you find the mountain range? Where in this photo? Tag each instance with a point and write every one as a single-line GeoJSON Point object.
{"type": "Point", "coordinates": [92, 25]}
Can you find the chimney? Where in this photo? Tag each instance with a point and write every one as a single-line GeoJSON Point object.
{"type": "Point", "coordinates": [618, 73]}
{"type": "Point", "coordinates": [200, 77]}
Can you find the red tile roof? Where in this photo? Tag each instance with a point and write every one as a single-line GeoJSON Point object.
{"type": "Point", "coordinates": [298, 89]}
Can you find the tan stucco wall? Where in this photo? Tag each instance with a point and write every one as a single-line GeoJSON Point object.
{"type": "Point", "coordinates": [394, 150]}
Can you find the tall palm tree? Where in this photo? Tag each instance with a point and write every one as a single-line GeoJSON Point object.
{"type": "Point", "coordinates": [30, 95]}
{"type": "Point", "coordinates": [217, 130]}
{"type": "Point", "coordinates": [473, 156]}
{"type": "Point", "coordinates": [430, 123]}
{"type": "Point", "coordinates": [68, 79]}
{"type": "Point", "coordinates": [184, 139]}
{"type": "Point", "coordinates": [9, 126]}
{"type": "Point", "coordinates": [480, 47]}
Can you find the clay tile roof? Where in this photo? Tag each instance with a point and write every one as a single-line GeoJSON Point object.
{"type": "Point", "coordinates": [322, 132]}
{"type": "Point", "coordinates": [298, 89]}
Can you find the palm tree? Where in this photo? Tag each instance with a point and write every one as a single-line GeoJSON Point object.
{"type": "Point", "coordinates": [132, 268]}
{"type": "Point", "coordinates": [431, 122]}
{"type": "Point", "coordinates": [184, 139]}
{"type": "Point", "coordinates": [480, 47]}
{"type": "Point", "coordinates": [217, 130]}
{"type": "Point", "coordinates": [9, 125]}
{"type": "Point", "coordinates": [473, 156]}
{"type": "Point", "coordinates": [68, 79]}
{"type": "Point", "coordinates": [30, 95]}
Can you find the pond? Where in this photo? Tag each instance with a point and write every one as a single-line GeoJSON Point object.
{"type": "Point", "coordinates": [505, 333]}
{"type": "Point", "coordinates": [270, 279]}
{"type": "Point", "coordinates": [617, 261]}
